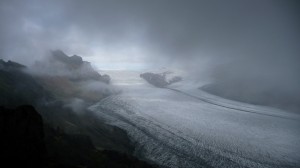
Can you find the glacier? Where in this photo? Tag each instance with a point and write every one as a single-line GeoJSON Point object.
{"type": "Point", "coordinates": [184, 127]}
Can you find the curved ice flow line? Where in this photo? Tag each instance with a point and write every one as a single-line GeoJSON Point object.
{"type": "Point", "coordinates": [214, 154]}
{"type": "Point", "coordinates": [231, 157]}
{"type": "Point", "coordinates": [232, 106]}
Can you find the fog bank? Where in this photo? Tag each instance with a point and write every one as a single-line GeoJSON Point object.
{"type": "Point", "coordinates": [251, 45]}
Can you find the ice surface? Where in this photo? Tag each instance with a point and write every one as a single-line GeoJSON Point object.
{"type": "Point", "coordinates": [184, 127]}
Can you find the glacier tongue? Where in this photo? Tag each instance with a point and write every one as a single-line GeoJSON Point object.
{"type": "Point", "coordinates": [177, 130]}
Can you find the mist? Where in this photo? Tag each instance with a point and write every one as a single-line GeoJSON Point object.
{"type": "Point", "coordinates": [252, 42]}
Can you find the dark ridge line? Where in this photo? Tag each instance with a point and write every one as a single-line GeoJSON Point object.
{"type": "Point", "coordinates": [232, 108]}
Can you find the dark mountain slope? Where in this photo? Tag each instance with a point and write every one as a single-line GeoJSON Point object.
{"type": "Point", "coordinates": [69, 136]}
{"type": "Point", "coordinates": [17, 87]}
{"type": "Point", "coordinates": [22, 137]}
{"type": "Point", "coordinates": [23, 144]}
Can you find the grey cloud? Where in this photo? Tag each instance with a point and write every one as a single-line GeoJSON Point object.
{"type": "Point", "coordinates": [235, 40]}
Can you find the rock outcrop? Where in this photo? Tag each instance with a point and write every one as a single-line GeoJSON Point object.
{"type": "Point", "coordinates": [157, 80]}
{"type": "Point", "coordinates": [160, 79]}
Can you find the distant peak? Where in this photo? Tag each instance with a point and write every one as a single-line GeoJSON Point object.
{"type": "Point", "coordinates": [60, 56]}
{"type": "Point", "coordinates": [10, 65]}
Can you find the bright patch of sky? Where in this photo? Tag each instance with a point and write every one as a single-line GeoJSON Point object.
{"type": "Point", "coordinates": [129, 58]}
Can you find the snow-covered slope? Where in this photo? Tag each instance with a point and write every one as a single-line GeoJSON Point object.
{"type": "Point", "coordinates": [180, 127]}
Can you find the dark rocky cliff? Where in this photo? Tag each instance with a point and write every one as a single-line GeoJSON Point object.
{"type": "Point", "coordinates": [17, 87]}
{"type": "Point", "coordinates": [22, 137]}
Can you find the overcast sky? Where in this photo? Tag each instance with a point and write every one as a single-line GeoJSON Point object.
{"type": "Point", "coordinates": [258, 38]}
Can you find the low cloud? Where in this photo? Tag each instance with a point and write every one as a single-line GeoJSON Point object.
{"type": "Point", "coordinates": [254, 42]}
